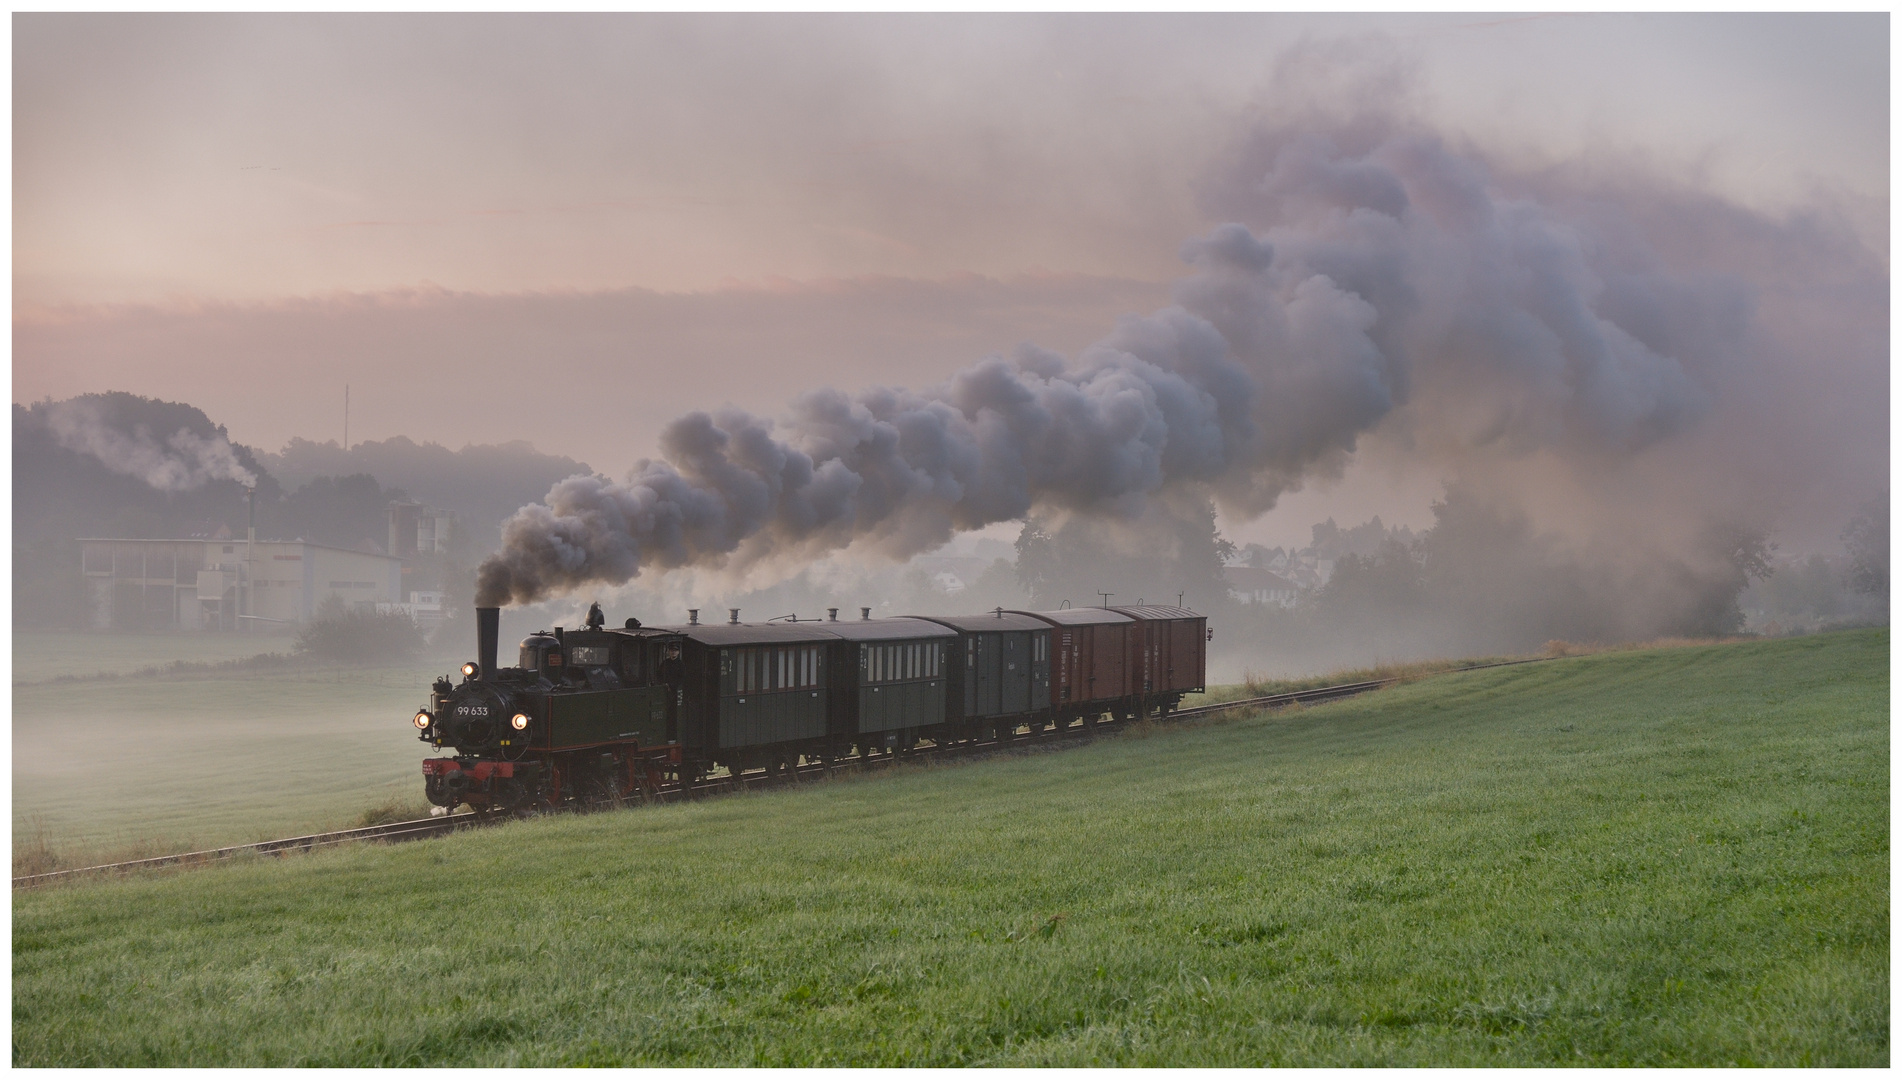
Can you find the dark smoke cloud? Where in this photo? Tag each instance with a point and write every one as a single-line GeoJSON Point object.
{"type": "Point", "coordinates": [1381, 274]}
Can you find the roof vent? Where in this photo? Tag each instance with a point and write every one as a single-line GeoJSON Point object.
{"type": "Point", "coordinates": [865, 614]}
{"type": "Point", "coordinates": [832, 614]}
{"type": "Point", "coordinates": [693, 616]}
{"type": "Point", "coordinates": [733, 616]}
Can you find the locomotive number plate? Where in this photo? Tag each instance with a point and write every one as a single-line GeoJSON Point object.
{"type": "Point", "coordinates": [472, 710]}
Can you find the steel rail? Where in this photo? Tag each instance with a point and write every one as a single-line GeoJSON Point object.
{"type": "Point", "coordinates": [421, 828]}
{"type": "Point", "coordinates": [392, 832]}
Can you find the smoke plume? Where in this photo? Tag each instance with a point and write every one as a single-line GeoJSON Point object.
{"type": "Point", "coordinates": [1386, 282]}
{"type": "Point", "coordinates": [181, 462]}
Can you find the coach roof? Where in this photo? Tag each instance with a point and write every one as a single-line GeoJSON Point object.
{"type": "Point", "coordinates": [1081, 616]}
{"type": "Point", "coordinates": [898, 629]}
{"type": "Point", "coordinates": [1158, 611]}
{"type": "Point", "coordinates": [991, 623]}
{"type": "Point", "coordinates": [719, 634]}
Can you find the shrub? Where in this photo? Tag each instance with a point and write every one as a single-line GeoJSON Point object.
{"type": "Point", "coordinates": [360, 637]}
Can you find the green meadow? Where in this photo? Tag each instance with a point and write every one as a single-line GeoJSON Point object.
{"type": "Point", "coordinates": [1660, 857]}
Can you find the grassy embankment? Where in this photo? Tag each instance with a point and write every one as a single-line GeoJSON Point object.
{"type": "Point", "coordinates": [1665, 857]}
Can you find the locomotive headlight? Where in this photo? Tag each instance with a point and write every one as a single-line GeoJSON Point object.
{"type": "Point", "coordinates": [471, 669]}
{"type": "Point", "coordinates": [423, 719]}
{"type": "Point", "coordinates": [519, 721]}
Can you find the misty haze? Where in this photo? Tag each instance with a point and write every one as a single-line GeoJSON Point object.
{"type": "Point", "coordinates": [1383, 343]}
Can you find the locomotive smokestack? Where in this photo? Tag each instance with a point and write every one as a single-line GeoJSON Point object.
{"type": "Point", "coordinates": [488, 630]}
{"type": "Point", "coordinates": [832, 614]}
{"type": "Point", "coordinates": [733, 615]}
{"type": "Point", "coordinates": [693, 616]}
{"type": "Point", "coordinates": [865, 613]}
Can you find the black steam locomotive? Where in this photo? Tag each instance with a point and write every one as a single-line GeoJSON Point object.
{"type": "Point", "coordinates": [598, 713]}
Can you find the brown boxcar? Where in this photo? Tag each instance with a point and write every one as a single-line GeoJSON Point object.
{"type": "Point", "coordinates": [1089, 659]}
{"type": "Point", "coordinates": [1168, 650]}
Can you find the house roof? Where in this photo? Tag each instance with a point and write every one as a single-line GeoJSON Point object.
{"type": "Point", "coordinates": [1254, 578]}
{"type": "Point", "coordinates": [228, 540]}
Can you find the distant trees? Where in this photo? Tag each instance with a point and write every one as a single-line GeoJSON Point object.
{"type": "Point", "coordinates": [1171, 550]}
{"type": "Point", "coordinates": [348, 635]}
{"type": "Point", "coordinates": [332, 496]}
{"type": "Point", "coordinates": [61, 494]}
{"type": "Point", "coordinates": [1867, 538]}
{"type": "Point", "coordinates": [342, 511]}
{"type": "Point", "coordinates": [1483, 579]}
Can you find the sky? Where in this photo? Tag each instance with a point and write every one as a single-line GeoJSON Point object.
{"type": "Point", "coordinates": [573, 229]}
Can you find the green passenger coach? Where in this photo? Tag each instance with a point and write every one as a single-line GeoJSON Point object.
{"type": "Point", "coordinates": [893, 678]}
{"type": "Point", "coordinates": [763, 685]}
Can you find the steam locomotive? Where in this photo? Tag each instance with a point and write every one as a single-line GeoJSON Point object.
{"type": "Point", "coordinates": [598, 713]}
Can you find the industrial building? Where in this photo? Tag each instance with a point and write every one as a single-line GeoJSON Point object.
{"type": "Point", "coordinates": [227, 584]}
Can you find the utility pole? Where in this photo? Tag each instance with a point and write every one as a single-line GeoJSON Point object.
{"type": "Point", "coordinates": [250, 559]}
{"type": "Point", "coordinates": [346, 418]}
{"type": "Point", "coordinates": [1105, 596]}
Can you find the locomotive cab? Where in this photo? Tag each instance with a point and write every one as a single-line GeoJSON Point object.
{"type": "Point", "coordinates": [542, 654]}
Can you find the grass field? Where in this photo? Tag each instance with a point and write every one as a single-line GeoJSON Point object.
{"type": "Point", "coordinates": [121, 765]}
{"type": "Point", "coordinates": [1671, 857]}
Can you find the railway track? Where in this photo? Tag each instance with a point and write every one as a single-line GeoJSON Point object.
{"type": "Point", "coordinates": [422, 828]}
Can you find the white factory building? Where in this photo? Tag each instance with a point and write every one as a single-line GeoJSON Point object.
{"type": "Point", "coordinates": [228, 584]}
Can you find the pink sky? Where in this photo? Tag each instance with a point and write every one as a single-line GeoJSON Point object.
{"type": "Point", "coordinates": [569, 230]}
